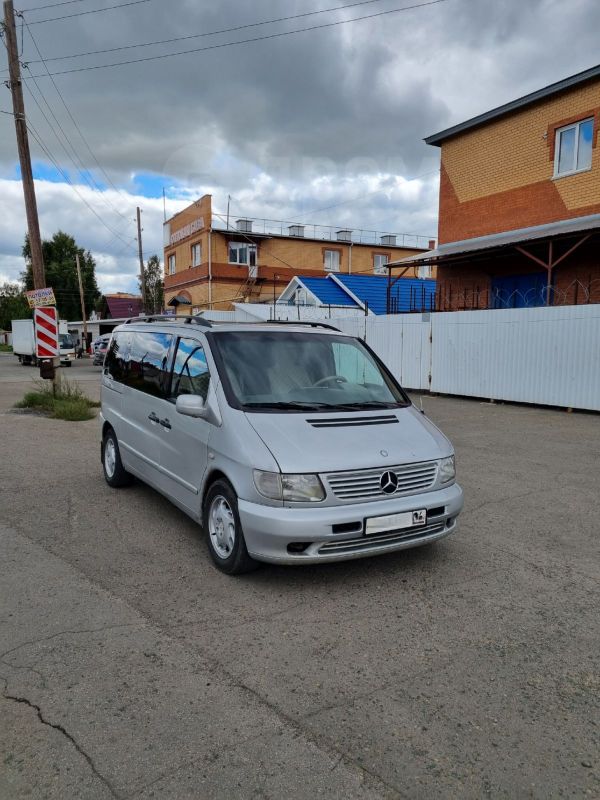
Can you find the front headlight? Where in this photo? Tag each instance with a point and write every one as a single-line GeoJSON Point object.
{"type": "Point", "coordinates": [447, 469]}
{"type": "Point", "coordinates": [292, 488]}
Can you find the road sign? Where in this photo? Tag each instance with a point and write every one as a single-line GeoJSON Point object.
{"type": "Point", "coordinates": [38, 298]}
{"type": "Point", "coordinates": [46, 332]}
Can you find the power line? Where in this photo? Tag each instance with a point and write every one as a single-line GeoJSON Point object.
{"type": "Point", "coordinates": [73, 120]}
{"type": "Point", "coordinates": [75, 158]}
{"type": "Point", "coordinates": [52, 5]}
{"type": "Point", "coordinates": [66, 177]}
{"type": "Point", "coordinates": [93, 11]}
{"type": "Point", "coordinates": [211, 33]}
{"type": "Point", "coordinates": [245, 41]}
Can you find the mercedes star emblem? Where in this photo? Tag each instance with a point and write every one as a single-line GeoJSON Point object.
{"type": "Point", "coordinates": [388, 482]}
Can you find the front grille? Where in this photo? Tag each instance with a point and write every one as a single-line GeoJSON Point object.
{"type": "Point", "coordinates": [370, 542]}
{"type": "Point", "coordinates": [366, 484]}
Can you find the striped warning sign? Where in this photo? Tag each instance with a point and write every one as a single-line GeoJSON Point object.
{"type": "Point", "coordinates": [46, 332]}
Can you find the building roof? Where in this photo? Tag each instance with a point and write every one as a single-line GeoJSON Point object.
{"type": "Point", "coordinates": [372, 290]}
{"type": "Point", "coordinates": [563, 227]}
{"type": "Point", "coordinates": [375, 243]}
{"type": "Point", "coordinates": [123, 305]}
{"type": "Point", "coordinates": [366, 291]}
{"type": "Point", "coordinates": [554, 88]}
{"type": "Point", "coordinates": [327, 292]}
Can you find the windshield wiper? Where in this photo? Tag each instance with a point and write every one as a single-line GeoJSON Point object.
{"type": "Point", "coordinates": [289, 405]}
{"type": "Point", "coordinates": [368, 404]}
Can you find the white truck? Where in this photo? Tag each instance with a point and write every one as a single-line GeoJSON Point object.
{"type": "Point", "coordinates": [23, 342]}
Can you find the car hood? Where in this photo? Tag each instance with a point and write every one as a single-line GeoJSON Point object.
{"type": "Point", "coordinates": [327, 442]}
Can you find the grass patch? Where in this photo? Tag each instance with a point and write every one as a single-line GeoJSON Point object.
{"type": "Point", "coordinates": [5, 348]}
{"type": "Point", "coordinates": [69, 403]}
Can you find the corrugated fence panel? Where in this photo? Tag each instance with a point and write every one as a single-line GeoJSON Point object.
{"type": "Point", "coordinates": [549, 356]}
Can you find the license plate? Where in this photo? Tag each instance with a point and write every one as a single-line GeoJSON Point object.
{"type": "Point", "coordinates": [395, 522]}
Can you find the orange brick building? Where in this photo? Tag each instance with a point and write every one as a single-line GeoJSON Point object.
{"type": "Point", "coordinates": [519, 206]}
{"type": "Point", "coordinates": [208, 265]}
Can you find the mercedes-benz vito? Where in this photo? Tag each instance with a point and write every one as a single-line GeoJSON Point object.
{"type": "Point", "coordinates": [289, 443]}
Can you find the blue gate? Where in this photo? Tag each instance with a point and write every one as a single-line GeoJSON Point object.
{"type": "Point", "coordinates": [520, 291]}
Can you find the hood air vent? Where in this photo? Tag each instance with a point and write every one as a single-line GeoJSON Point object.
{"type": "Point", "coordinates": [352, 422]}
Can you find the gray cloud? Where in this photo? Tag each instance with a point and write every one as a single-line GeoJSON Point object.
{"type": "Point", "coordinates": [293, 124]}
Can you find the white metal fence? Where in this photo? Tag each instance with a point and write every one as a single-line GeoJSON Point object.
{"type": "Point", "coordinates": [549, 356]}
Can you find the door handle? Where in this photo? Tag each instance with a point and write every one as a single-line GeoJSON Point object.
{"type": "Point", "coordinates": [153, 417]}
{"type": "Point", "coordinates": [165, 423]}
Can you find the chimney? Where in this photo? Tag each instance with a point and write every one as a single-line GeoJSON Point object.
{"type": "Point", "coordinates": [389, 240]}
{"type": "Point", "coordinates": [244, 225]}
{"type": "Point", "coordinates": [296, 230]}
{"type": "Point", "coordinates": [432, 244]}
{"type": "Point", "coordinates": [344, 236]}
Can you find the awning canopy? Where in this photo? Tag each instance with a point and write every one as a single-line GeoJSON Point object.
{"type": "Point", "coordinates": [179, 300]}
{"type": "Point", "coordinates": [495, 241]}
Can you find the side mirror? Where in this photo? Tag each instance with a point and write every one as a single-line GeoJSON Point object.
{"type": "Point", "coordinates": [191, 405]}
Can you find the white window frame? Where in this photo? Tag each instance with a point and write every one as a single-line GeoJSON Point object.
{"type": "Point", "coordinates": [196, 248]}
{"type": "Point", "coordinates": [251, 248]}
{"type": "Point", "coordinates": [557, 141]}
{"type": "Point", "coordinates": [172, 264]}
{"type": "Point", "coordinates": [382, 268]}
{"type": "Point", "coordinates": [328, 258]}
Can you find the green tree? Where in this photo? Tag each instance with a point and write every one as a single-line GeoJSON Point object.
{"type": "Point", "coordinates": [61, 274]}
{"type": "Point", "coordinates": [13, 305]}
{"type": "Point", "coordinates": [154, 285]}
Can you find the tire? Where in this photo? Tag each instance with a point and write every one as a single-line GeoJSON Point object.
{"type": "Point", "coordinates": [114, 472]}
{"type": "Point", "coordinates": [223, 530]}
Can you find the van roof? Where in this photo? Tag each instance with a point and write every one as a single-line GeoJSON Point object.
{"type": "Point", "coordinates": [190, 321]}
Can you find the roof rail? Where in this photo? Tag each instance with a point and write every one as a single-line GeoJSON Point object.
{"type": "Point", "coordinates": [292, 322]}
{"type": "Point", "coordinates": [187, 320]}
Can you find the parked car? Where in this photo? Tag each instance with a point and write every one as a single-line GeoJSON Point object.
{"type": "Point", "coordinates": [103, 338]}
{"type": "Point", "coordinates": [290, 443]}
{"type": "Point", "coordinates": [100, 352]}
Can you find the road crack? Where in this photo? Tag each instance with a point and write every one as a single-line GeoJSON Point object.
{"type": "Point", "coordinates": [58, 727]}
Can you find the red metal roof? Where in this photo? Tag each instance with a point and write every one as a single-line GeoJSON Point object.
{"type": "Point", "coordinates": [119, 306]}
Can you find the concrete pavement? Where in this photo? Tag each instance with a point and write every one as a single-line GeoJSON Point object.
{"type": "Point", "coordinates": [132, 668]}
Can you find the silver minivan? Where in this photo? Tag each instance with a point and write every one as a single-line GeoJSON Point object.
{"type": "Point", "coordinates": [290, 443]}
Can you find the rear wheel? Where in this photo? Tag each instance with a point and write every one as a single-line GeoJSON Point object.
{"type": "Point", "coordinates": [223, 530]}
{"type": "Point", "coordinates": [114, 472]}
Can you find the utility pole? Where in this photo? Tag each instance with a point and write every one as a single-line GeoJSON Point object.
{"type": "Point", "coordinates": [81, 297]}
{"type": "Point", "coordinates": [16, 89]}
{"type": "Point", "coordinates": [142, 270]}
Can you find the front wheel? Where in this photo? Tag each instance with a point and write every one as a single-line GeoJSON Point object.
{"type": "Point", "coordinates": [223, 530]}
{"type": "Point", "coordinates": [114, 472]}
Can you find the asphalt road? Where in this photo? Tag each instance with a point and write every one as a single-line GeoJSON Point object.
{"type": "Point", "coordinates": [133, 669]}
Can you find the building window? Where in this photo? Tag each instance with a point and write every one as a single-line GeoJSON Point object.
{"type": "Point", "coordinates": [242, 253]}
{"type": "Point", "coordinates": [573, 148]}
{"type": "Point", "coordinates": [196, 255]}
{"type": "Point", "coordinates": [380, 262]}
{"type": "Point", "coordinates": [331, 260]}
{"type": "Point", "coordinates": [171, 263]}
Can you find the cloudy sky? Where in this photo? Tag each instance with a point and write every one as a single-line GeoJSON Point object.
{"type": "Point", "coordinates": [322, 126]}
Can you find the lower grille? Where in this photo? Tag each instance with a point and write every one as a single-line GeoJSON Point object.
{"type": "Point", "coordinates": [370, 542]}
{"type": "Point", "coordinates": [367, 483]}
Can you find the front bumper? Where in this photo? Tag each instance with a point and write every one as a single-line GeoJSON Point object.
{"type": "Point", "coordinates": [268, 531]}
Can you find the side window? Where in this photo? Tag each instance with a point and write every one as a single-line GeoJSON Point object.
{"type": "Point", "coordinates": [147, 364]}
{"type": "Point", "coordinates": [115, 362]}
{"type": "Point", "coordinates": [190, 371]}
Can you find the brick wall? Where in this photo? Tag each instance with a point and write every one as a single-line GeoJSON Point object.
{"type": "Point", "coordinates": [499, 176]}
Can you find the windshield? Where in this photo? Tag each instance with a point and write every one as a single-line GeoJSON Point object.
{"type": "Point", "coordinates": [65, 341]}
{"type": "Point", "coordinates": [304, 371]}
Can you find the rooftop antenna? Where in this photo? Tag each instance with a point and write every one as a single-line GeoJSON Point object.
{"type": "Point", "coordinates": [164, 206]}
